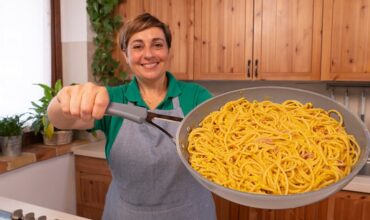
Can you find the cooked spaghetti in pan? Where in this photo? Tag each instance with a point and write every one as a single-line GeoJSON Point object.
{"type": "Point", "coordinates": [271, 148]}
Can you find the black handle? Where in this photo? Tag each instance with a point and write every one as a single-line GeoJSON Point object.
{"type": "Point", "coordinates": [256, 69]}
{"type": "Point", "coordinates": [249, 68]}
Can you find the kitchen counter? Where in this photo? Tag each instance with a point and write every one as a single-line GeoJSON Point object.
{"type": "Point", "coordinates": [10, 205]}
{"type": "Point", "coordinates": [358, 184]}
{"type": "Point", "coordinates": [38, 152]}
{"type": "Point", "coordinates": [95, 149]}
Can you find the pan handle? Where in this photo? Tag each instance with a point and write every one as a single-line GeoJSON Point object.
{"type": "Point", "coordinates": [136, 114]}
{"type": "Point", "coordinates": [131, 112]}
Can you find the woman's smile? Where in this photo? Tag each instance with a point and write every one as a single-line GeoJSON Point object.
{"type": "Point", "coordinates": [150, 65]}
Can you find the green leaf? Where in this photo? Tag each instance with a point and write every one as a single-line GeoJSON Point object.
{"type": "Point", "coordinates": [49, 131]}
{"type": "Point", "coordinates": [48, 127]}
{"type": "Point", "coordinates": [106, 24]}
{"type": "Point", "coordinates": [95, 6]}
{"type": "Point", "coordinates": [57, 87]}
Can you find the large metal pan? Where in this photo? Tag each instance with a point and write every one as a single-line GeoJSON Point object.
{"type": "Point", "coordinates": [352, 123]}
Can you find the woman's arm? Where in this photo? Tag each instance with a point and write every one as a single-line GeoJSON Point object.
{"type": "Point", "coordinates": [77, 107]}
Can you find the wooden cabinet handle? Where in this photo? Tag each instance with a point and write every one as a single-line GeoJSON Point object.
{"type": "Point", "coordinates": [249, 68]}
{"type": "Point", "coordinates": [256, 69]}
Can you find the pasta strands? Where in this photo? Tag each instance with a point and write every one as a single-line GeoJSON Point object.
{"type": "Point", "coordinates": [269, 148]}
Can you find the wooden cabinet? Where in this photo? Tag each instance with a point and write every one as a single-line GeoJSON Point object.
{"type": "Point", "coordinates": [223, 41]}
{"type": "Point", "coordinates": [264, 40]}
{"type": "Point", "coordinates": [243, 39]}
{"type": "Point", "coordinates": [346, 40]}
{"type": "Point", "coordinates": [93, 178]}
{"type": "Point", "coordinates": [179, 15]}
{"type": "Point", "coordinates": [92, 181]}
{"type": "Point", "coordinates": [342, 205]}
{"type": "Point", "coordinates": [255, 39]}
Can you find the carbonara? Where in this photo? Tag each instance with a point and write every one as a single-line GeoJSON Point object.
{"type": "Point", "coordinates": [270, 148]}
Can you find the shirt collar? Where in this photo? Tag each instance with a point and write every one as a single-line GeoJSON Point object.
{"type": "Point", "coordinates": [133, 92]}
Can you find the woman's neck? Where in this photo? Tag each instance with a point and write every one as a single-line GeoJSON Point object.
{"type": "Point", "coordinates": [153, 92]}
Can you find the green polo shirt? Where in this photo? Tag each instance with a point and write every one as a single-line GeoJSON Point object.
{"type": "Point", "coordinates": [190, 95]}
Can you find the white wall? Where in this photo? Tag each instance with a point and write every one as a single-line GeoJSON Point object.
{"type": "Point", "coordinates": [76, 37]}
{"type": "Point", "coordinates": [73, 20]}
{"type": "Point", "coordinates": [50, 183]}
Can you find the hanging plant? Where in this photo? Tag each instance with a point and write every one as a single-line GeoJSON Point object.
{"type": "Point", "coordinates": [106, 24]}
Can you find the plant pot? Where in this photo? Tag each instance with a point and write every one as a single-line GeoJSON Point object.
{"type": "Point", "coordinates": [59, 138]}
{"type": "Point", "coordinates": [11, 146]}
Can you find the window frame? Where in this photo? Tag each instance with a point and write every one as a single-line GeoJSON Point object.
{"type": "Point", "coordinates": [56, 61]}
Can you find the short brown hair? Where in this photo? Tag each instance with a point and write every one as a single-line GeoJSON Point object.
{"type": "Point", "coordinates": [141, 23]}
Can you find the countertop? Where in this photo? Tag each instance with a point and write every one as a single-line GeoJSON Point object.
{"type": "Point", "coordinates": [37, 152]}
{"type": "Point", "coordinates": [10, 205]}
{"type": "Point", "coordinates": [358, 184]}
{"type": "Point", "coordinates": [95, 149]}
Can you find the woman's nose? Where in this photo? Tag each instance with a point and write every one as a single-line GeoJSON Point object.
{"type": "Point", "coordinates": [148, 52]}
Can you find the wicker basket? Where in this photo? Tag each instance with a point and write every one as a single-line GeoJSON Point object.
{"type": "Point", "coordinates": [59, 138]}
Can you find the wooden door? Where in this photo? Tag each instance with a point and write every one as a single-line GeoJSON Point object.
{"type": "Point", "coordinates": [287, 39]}
{"type": "Point", "coordinates": [92, 181]}
{"type": "Point", "coordinates": [223, 39]}
{"type": "Point", "coordinates": [349, 205]}
{"type": "Point", "coordinates": [316, 211]}
{"type": "Point", "coordinates": [346, 40]}
{"type": "Point", "coordinates": [179, 15]}
{"type": "Point", "coordinates": [340, 206]}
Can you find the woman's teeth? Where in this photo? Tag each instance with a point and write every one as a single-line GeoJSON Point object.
{"type": "Point", "coordinates": [149, 65]}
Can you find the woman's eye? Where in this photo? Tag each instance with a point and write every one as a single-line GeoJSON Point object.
{"type": "Point", "coordinates": [136, 47]}
{"type": "Point", "coordinates": [158, 45]}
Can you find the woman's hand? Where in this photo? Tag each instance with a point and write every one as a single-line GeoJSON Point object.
{"type": "Point", "coordinates": [77, 106]}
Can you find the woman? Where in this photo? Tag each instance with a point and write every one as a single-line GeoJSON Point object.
{"type": "Point", "coordinates": [149, 181]}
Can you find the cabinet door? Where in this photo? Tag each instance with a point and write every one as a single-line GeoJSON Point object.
{"type": "Point", "coordinates": [316, 211]}
{"type": "Point", "coordinates": [287, 39]}
{"type": "Point", "coordinates": [92, 181]}
{"type": "Point", "coordinates": [225, 209]}
{"type": "Point", "coordinates": [349, 205]}
{"type": "Point", "coordinates": [346, 40]}
{"type": "Point", "coordinates": [223, 39]}
{"type": "Point", "coordinates": [179, 15]}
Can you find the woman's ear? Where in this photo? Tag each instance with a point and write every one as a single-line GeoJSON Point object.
{"type": "Point", "coordinates": [124, 52]}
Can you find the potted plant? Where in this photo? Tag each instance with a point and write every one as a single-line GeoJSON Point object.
{"type": "Point", "coordinates": [11, 130]}
{"type": "Point", "coordinates": [41, 123]}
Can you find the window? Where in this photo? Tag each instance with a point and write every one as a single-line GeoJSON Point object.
{"type": "Point", "coordinates": [25, 54]}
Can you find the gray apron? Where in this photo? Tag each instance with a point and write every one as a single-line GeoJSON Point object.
{"type": "Point", "coordinates": [149, 182]}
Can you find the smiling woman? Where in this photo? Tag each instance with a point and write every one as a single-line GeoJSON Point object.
{"type": "Point", "coordinates": [26, 55]}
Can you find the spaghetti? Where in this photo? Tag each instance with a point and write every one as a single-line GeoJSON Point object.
{"type": "Point", "coordinates": [269, 148]}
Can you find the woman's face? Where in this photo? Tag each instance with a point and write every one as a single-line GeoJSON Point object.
{"type": "Point", "coordinates": [147, 54]}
